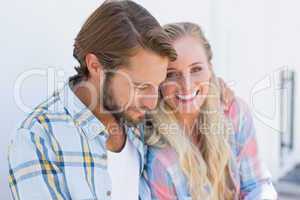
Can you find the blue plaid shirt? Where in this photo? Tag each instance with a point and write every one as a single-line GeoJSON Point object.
{"type": "Point", "coordinates": [59, 153]}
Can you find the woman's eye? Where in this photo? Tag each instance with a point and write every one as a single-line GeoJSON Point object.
{"type": "Point", "coordinates": [196, 69]}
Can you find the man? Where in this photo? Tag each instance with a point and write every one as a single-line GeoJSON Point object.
{"type": "Point", "coordinates": [86, 141]}
{"type": "Point", "coordinates": [74, 146]}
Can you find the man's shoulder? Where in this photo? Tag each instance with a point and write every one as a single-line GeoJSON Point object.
{"type": "Point", "coordinates": [46, 114]}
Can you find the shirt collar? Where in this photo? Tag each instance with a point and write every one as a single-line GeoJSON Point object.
{"type": "Point", "coordinates": [82, 115]}
{"type": "Point", "coordinates": [92, 127]}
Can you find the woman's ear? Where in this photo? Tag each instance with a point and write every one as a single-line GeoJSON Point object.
{"type": "Point", "coordinates": [210, 67]}
{"type": "Point", "coordinates": [94, 66]}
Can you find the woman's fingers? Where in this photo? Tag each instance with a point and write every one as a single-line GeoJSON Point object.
{"type": "Point", "coordinates": [227, 95]}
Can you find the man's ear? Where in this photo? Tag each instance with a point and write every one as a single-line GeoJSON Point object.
{"type": "Point", "coordinates": [94, 66]}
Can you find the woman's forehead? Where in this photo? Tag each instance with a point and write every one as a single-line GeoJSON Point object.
{"type": "Point", "coordinates": [189, 50]}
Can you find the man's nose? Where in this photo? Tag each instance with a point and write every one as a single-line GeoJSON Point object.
{"type": "Point", "coordinates": [149, 100]}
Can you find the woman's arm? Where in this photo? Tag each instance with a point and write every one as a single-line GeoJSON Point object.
{"type": "Point", "coordinates": [255, 179]}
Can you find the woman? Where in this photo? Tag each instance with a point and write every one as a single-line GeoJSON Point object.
{"type": "Point", "coordinates": [196, 150]}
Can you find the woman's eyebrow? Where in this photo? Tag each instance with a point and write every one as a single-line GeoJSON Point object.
{"type": "Point", "coordinates": [195, 63]}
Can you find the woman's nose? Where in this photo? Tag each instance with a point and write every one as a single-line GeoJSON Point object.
{"type": "Point", "coordinates": [186, 84]}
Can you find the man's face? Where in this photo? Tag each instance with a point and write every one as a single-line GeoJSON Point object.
{"type": "Point", "coordinates": [132, 90]}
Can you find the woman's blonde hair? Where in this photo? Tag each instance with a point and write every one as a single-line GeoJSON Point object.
{"type": "Point", "coordinates": [207, 163]}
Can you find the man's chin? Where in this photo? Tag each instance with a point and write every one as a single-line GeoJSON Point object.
{"type": "Point", "coordinates": [129, 118]}
{"type": "Point", "coordinates": [133, 118]}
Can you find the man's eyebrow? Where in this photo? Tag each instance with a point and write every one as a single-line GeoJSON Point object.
{"type": "Point", "coordinates": [140, 83]}
{"type": "Point", "coordinates": [170, 68]}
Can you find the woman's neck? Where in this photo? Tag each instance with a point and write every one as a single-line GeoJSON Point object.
{"type": "Point", "coordinates": [189, 122]}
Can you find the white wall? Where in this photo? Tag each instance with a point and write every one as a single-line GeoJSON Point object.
{"type": "Point", "coordinates": [36, 35]}
{"type": "Point", "coordinates": [253, 40]}
{"type": "Point", "coordinates": [288, 53]}
{"type": "Point", "coordinates": [243, 48]}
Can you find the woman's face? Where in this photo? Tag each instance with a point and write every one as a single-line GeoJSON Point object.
{"type": "Point", "coordinates": [187, 82]}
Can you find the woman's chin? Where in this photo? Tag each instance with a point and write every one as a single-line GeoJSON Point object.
{"type": "Point", "coordinates": [188, 110]}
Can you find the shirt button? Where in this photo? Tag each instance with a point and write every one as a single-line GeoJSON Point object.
{"type": "Point", "coordinates": [102, 133]}
{"type": "Point", "coordinates": [108, 193]}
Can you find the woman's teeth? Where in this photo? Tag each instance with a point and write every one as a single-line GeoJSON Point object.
{"type": "Point", "coordinates": [187, 97]}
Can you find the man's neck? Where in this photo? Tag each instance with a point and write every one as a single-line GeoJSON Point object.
{"type": "Point", "coordinates": [117, 138]}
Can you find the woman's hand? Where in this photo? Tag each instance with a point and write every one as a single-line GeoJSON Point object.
{"type": "Point", "coordinates": [227, 95]}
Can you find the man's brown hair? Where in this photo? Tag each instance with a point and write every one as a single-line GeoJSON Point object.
{"type": "Point", "coordinates": [115, 31]}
